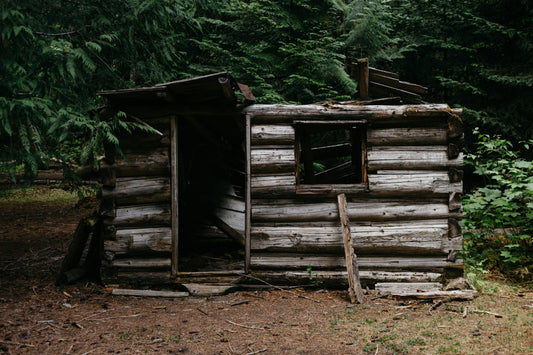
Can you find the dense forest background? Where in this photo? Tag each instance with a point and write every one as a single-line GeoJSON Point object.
{"type": "Point", "coordinates": [478, 55]}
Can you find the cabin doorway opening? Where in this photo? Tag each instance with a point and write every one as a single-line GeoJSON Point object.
{"type": "Point", "coordinates": [211, 182]}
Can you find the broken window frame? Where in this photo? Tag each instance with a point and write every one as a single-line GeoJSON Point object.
{"type": "Point", "coordinates": [304, 129]}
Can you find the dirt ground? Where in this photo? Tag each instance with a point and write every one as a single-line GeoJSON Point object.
{"type": "Point", "coordinates": [37, 317]}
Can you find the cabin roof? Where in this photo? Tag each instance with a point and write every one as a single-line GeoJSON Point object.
{"type": "Point", "coordinates": [218, 90]}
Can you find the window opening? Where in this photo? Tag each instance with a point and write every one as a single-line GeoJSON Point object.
{"type": "Point", "coordinates": [331, 153]}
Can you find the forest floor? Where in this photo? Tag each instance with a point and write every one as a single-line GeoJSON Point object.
{"type": "Point", "coordinates": [38, 317]}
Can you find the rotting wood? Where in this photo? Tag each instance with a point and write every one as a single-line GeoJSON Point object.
{"type": "Point", "coordinates": [363, 84]}
{"type": "Point", "coordinates": [451, 295]}
{"type": "Point", "coordinates": [407, 287]}
{"type": "Point", "coordinates": [148, 293]}
{"type": "Point", "coordinates": [248, 194]}
{"type": "Point", "coordinates": [411, 158]}
{"type": "Point", "coordinates": [174, 192]}
{"type": "Point", "coordinates": [144, 240]}
{"type": "Point", "coordinates": [355, 291]}
{"type": "Point", "coordinates": [142, 263]}
{"type": "Point", "coordinates": [291, 261]}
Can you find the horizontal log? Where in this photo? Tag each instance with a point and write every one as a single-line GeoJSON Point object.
{"type": "Point", "coordinates": [407, 136]}
{"type": "Point", "coordinates": [322, 262]}
{"type": "Point", "coordinates": [340, 278]}
{"type": "Point", "coordinates": [428, 237]}
{"type": "Point", "coordinates": [372, 113]}
{"type": "Point", "coordinates": [429, 183]}
{"type": "Point", "coordinates": [145, 240]}
{"type": "Point", "coordinates": [139, 191]}
{"type": "Point", "coordinates": [411, 158]}
{"type": "Point", "coordinates": [272, 160]}
{"type": "Point", "coordinates": [148, 293]}
{"type": "Point", "coordinates": [142, 263]}
{"type": "Point", "coordinates": [263, 185]}
{"type": "Point", "coordinates": [150, 163]}
{"type": "Point", "coordinates": [139, 215]}
{"type": "Point", "coordinates": [310, 191]}
{"type": "Point", "coordinates": [357, 211]}
{"type": "Point", "coordinates": [395, 287]}
{"type": "Point", "coordinates": [272, 134]}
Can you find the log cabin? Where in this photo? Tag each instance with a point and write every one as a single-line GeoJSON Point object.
{"type": "Point", "coordinates": [225, 190]}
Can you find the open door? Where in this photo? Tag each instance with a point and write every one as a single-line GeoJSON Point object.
{"type": "Point", "coordinates": [208, 173]}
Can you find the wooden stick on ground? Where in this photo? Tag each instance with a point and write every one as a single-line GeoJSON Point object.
{"type": "Point", "coordinates": [355, 290]}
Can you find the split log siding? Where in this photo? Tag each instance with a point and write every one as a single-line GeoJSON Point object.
{"type": "Point", "coordinates": [400, 218]}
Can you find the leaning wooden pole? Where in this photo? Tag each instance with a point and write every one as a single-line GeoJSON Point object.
{"type": "Point", "coordinates": [354, 289]}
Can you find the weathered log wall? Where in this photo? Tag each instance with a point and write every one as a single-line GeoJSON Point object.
{"type": "Point", "coordinates": [136, 206]}
{"type": "Point", "coordinates": [141, 195]}
{"type": "Point", "coordinates": [404, 217]}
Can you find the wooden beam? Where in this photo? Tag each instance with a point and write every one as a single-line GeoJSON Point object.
{"type": "Point", "coordinates": [362, 85]}
{"type": "Point", "coordinates": [356, 293]}
{"type": "Point", "coordinates": [248, 195]}
{"type": "Point", "coordinates": [174, 200]}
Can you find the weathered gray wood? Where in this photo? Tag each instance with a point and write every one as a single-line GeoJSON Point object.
{"type": "Point", "coordinates": [424, 237]}
{"type": "Point", "coordinates": [357, 211]}
{"type": "Point", "coordinates": [145, 240]}
{"type": "Point", "coordinates": [354, 288]}
{"type": "Point", "coordinates": [407, 136]}
{"type": "Point", "coordinates": [408, 287]}
{"type": "Point", "coordinates": [199, 289]}
{"type": "Point", "coordinates": [455, 294]}
{"type": "Point", "coordinates": [150, 163]}
{"type": "Point", "coordinates": [234, 219]}
{"type": "Point", "coordinates": [248, 194]}
{"type": "Point", "coordinates": [339, 277]}
{"type": "Point", "coordinates": [148, 293]}
{"type": "Point", "coordinates": [139, 190]}
{"type": "Point", "coordinates": [141, 215]}
{"type": "Point", "coordinates": [272, 134]}
{"type": "Point", "coordinates": [233, 203]}
{"type": "Point", "coordinates": [264, 185]}
{"type": "Point", "coordinates": [411, 158]}
{"type": "Point", "coordinates": [372, 113]}
{"type": "Point", "coordinates": [174, 191]}
{"type": "Point", "coordinates": [142, 263]}
{"type": "Point", "coordinates": [289, 261]}
{"type": "Point", "coordinates": [272, 160]}
{"type": "Point", "coordinates": [429, 183]}
{"type": "Point", "coordinates": [228, 230]}
{"type": "Point", "coordinates": [455, 202]}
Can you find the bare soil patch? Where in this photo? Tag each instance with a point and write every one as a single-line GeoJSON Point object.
{"type": "Point", "coordinates": [37, 317]}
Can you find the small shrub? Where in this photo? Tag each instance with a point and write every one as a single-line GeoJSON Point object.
{"type": "Point", "coordinates": [498, 217]}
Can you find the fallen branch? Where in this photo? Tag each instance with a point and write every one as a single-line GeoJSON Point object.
{"type": "Point", "coordinates": [18, 344]}
{"type": "Point", "coordinates": [257, 352]}
{"type": "Point", "coordinates": [244, 326]}
{"type": "Point", "coordinates": [486, 312]}
{"type": "Point", "coordinates": [130, 316]}
{"type": "Point", "coordinates": [282, 289]}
